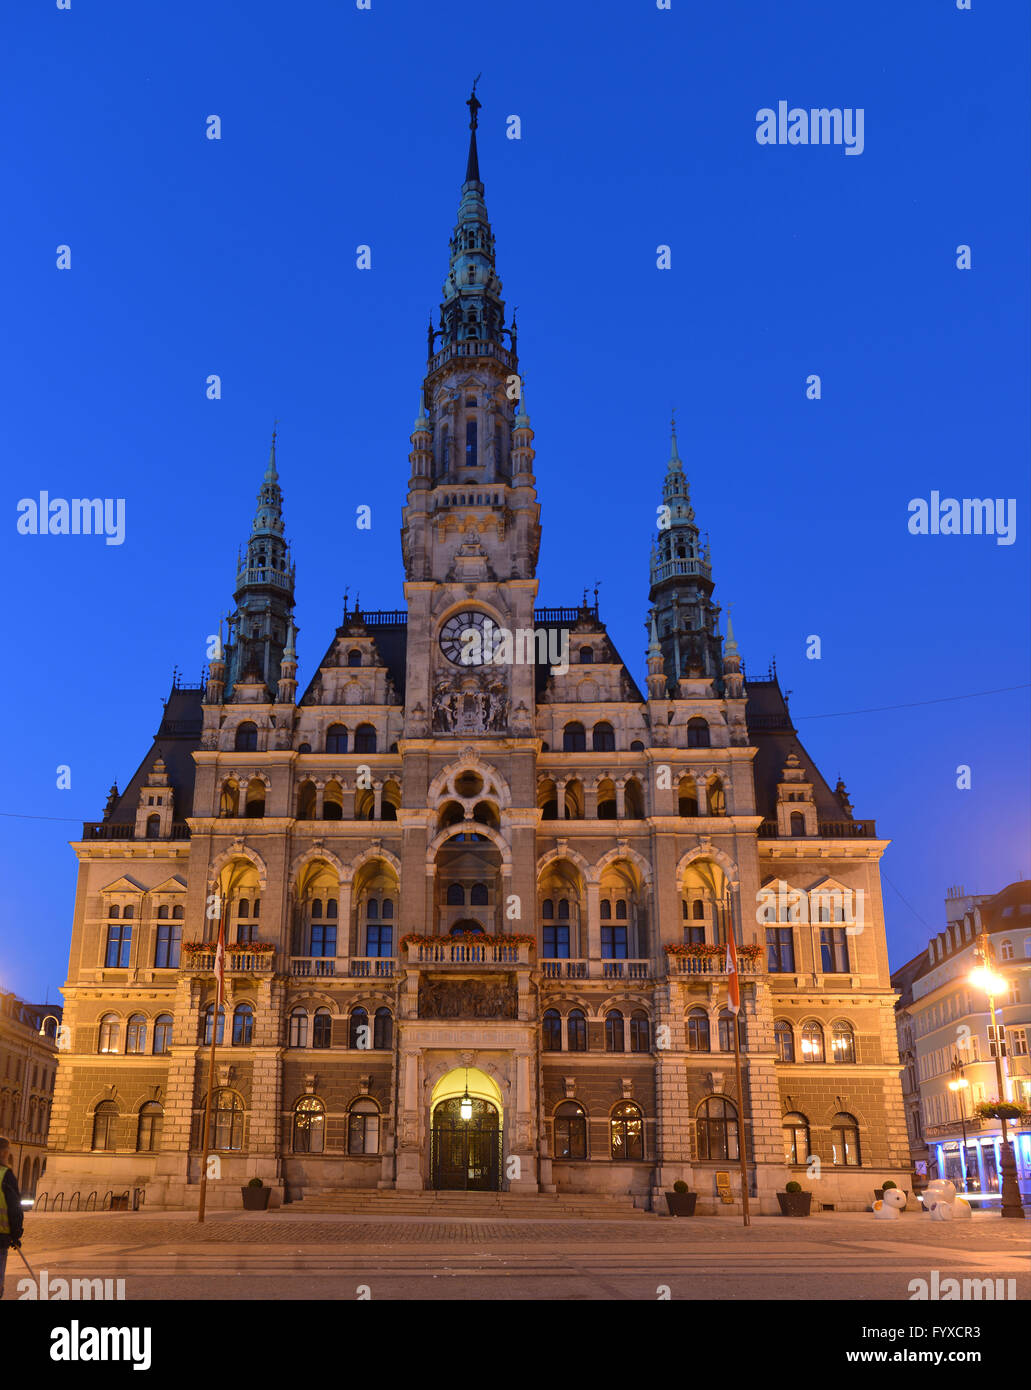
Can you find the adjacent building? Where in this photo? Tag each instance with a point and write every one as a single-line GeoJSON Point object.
{"type": "Point", "coordinates": [948, 1042]}
{"type": "Point", "coordinates": [478, 880]}
{"type": "Point", "coordinates": [28, 1063]}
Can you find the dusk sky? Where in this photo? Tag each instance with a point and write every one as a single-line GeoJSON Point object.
{"type": "Point", "coordinates": [342, 128]}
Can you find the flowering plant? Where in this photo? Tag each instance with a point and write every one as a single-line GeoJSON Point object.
{"type": "Point", "coordinates": [468, 939]}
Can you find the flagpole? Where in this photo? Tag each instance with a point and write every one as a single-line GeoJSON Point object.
{"type": "Point", "coordinates": [734, 993]}
{"type": "Point", "coordinates": [219, 981]}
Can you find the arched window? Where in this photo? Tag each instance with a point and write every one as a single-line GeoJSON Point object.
{"type": "Point", "coordinates": [726, 1031]}
{"type": "Point", "coordinates": [586, 656]}
{"type": "Point", "coordinates": [717, 798]}
{"type": "Point", "coordinates": [243, 1025]}
{"type": "Point", "coordinates": [336, 739]}
{"type": "Point", "coordinates": [637, 746]}
{"type": "Point", "coordinates": [455, 896]}
{"type": "Point", "coordinates": [570, 1130]}
{"type": "Point", "coordinates": [574, 739]}
{"type": "Point", "coordinates": [687, 797]}
{"type": "Point", "coordinates": [109, 1030]}
{"type": "Point", "coordinates": [1006, 950]}
{"type": "Point", "coordinates": [136, 1034]}
{"type": "Point", "coordinates": [163, 912]}
{"type": "Point", "coordinates": [796, 1138]}
{"type": "Point", "coordinates": [603, 739]}
{"type": "Point", "coordinates": [229, 801]}
{"type": "Point", "coordinates": [228, 1121]}
{"type": "Point", "coordinates": [698, 1031]}
{"type": "Point", "coordinates": [633, 800]}
{"type": "Point", "coordinates": [333, 801]}
{"type": "Point", "coordinates": [812, 1042]}
{"type": "Point", "coordinates": [552, 1031]}
{"type": "Point", "coordinates": [358, 1029]}
{"type": "Point", "coordinates": [843, 1041]}
{"type": "Point", "coordinates": [627, 1130]}
{"type": "Point", "coordinates": [547, 909]}
{"type": "Point", "coordinates": [105, 1125]}
{"type": "Point", "coordinates": [365, 739]}
{"type": "Point", "coordinates": [209, 1015]}
{"type": "Point", "coordinates": [478, 895]}
{"type": "Point", "coordinates": [698, 910]}
{"type": "Point", "coordinates": [576, 1030]}
{"type": "Point", "coordinates": [322, 1028]}
{"type": "Point", "coordinates": [845, 1152]}
{"type": "Point", "coordinates": [162, 1034]}
{"type": "Point", "coordinates": [254, 807]}
{"type": "Point", "coordinates": [784, 1040]}
{"type": "Point", "coordinates": [717, 1130]}
{"type": "Point", "coordinates": [154, 827]}
{"type": "Point", "coordinates": [354, 657]}
{"type": "Point", "coordinates": [363, 1128]}
{"type": "Point", "coordinates": [606, 910]}
{"type": "Point", "coordinates": [177, 912]}
{"type": "Point", "coordinates": [247, 737]}
{"type": "Point", "coordinates": [309, 1126]}
{"type": "Point", "coordinates": [307, 800]}
{"type": "Point", "coordinates": [148, 1127]}
{"type": "Point", "coordinates": [383, 1029]}
{"type": "Point", "coordinates": [640, 1040]}
{"type": "Point", "coordinates": [698, 733]}
{"type": "Point", "coordinates": [614, 1031]}
{"type": "Point", "coordinates": [797, 823]}
{"type": "Point", "coordinates": [299, 1028]}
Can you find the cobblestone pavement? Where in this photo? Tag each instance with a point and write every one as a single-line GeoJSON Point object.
{"type": "Point", "coordinates": [318, 1256]}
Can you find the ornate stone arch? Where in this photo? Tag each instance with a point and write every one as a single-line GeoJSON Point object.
{"type": "Point", "coordinates": [707, 850]}
{"type": "Point", "coordinates": [843, 1104]}
{"type": "Point", "coordinates": [238, 850]}
{"type": "Point", "coordinates": [311, 1000]}
{"type": "Point", "coordinates": [442, 1067]}
{"type": "Point", "coordinates": [313, 852]}
{"type": "Point", "coordinates": [551, 856]}
{"type": "Point", "coordinates": [623, 851]}
{"type": "Point", "coordinates": [375, 851]}
{"type": "Point", "coordinates": [469, 761]}
{"type": "Point", "coordinates": [465, 827]}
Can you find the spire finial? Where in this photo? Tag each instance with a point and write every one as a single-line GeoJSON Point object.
{"type": "Point", "coordinates": [270, 472]}
{"type": "Point", "coordinates": [674, 452]}
{"type": "Point", "coordinates": [472, 168]}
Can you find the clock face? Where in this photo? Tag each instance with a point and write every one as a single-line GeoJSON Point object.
{"type": "Point", "coordinates": [462, 650]}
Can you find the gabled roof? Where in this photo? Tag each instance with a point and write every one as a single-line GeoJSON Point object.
{"type": "Point", "coordinates": [772, 733]}
{"type": "Point", "coordinates": [175, 741]}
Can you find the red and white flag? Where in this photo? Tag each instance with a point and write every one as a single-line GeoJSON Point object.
{"type": "Point", "coordinates": [733, 989]}
{"type": "Point", "coordinates": [220, 962]}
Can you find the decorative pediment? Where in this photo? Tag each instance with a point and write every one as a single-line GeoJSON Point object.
{"type": "Point", "coordinates": [124, 885]}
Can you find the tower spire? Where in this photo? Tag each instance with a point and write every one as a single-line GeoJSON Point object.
{"type": "Point", "coordinates": [472, 166]}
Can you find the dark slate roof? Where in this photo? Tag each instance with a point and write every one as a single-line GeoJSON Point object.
{"type": "Point", "coordinates": [388, 628]}
{"type": "Point", "coordinates": [175, 741]}
{"type": "Point", "coordinates": [999, 914]}
{"type": "Point", "coordinates": [774, 736]}
{"type": "Point", "coordinates": [579, 622]}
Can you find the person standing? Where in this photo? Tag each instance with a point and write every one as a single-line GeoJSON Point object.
{"type": "Point", "coordinates": [12, 1218]}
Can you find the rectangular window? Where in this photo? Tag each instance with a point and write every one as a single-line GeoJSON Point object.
{"type": "Point", "coordinates": [166, 952]}
{"type": "Point", "coordinates": [556, 942]}
{"type": "Point", "coordinates": [695, 936]}
{"type": "Point", "coordinates": [323, 940]}
{"type": "Point", "coordinates": [470, 443]}
{"type": "Point", "coordinates": [1017, 1039]}
{"type": "Point", "coordinates": [780, 950]}
{"type": "Point", "coordinates": [613, 943]}
{"type": "Point", "coordinates": [379, 940]}
{"type": "Point", "coordinates": [119, 944]}
{"type": "Point", "coordinates": [834, 950]}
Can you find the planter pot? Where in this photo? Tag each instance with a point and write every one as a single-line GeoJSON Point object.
{"type": "Point", "coordinates": [794, 1203]}
{"type": "Point", "coordinates": [256, 1198]}
{"type": "Point", "coordinates": [681, 1203]}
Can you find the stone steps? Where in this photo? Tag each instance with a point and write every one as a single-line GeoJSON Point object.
{"type": "Point", "coordinates": [450, 1205]}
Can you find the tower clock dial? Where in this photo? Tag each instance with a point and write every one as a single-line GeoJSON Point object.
{"type": "Point", "coordinates": [462, 650]}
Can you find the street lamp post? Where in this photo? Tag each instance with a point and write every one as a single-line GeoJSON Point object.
{"type": "Point", "coordinates": [985, 978]}
{"type": "Point", "coordinates": [959, 1084]}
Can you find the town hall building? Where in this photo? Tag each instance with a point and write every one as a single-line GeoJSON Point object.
{"type": "Point", "coordinates": [477, 881]}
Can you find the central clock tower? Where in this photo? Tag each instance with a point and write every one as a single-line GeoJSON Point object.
{"type": "Point", "coordinates": [471, 523]}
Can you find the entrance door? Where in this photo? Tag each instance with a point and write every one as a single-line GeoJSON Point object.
{"type": "Point", "coordinates": [465, 1155]}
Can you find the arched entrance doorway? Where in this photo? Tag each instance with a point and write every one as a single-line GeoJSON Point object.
{"type": "Point", "coordinates": [465, 1133]}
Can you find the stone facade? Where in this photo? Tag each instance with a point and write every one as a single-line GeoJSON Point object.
{"type": "Point", "coordinates": [472, 863]}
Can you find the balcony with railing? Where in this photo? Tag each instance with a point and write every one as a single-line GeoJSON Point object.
{"type": "Point", "coordinates": [240, 960]}
{"type": "Point", "coordinates": [353, 967]}
{"type": "Point", "coordinates": [713, 965]}
{"type": "Point", "coordinates": [828, 830]}
{"type": "Point", "coordinates": [580, 968]}
{"type": "Point", "coordinates": [483, 955]}
{"type": "Point", "coordinates": [108, 830]}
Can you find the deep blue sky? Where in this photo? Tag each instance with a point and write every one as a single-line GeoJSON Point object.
{"type": "Point", "coordinates": [343, 127]}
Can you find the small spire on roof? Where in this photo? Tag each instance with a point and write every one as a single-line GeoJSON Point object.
{"type": "Point", "coordinates": [271, 476]}
{"type": "Point", "coordinates": [472, 168]}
